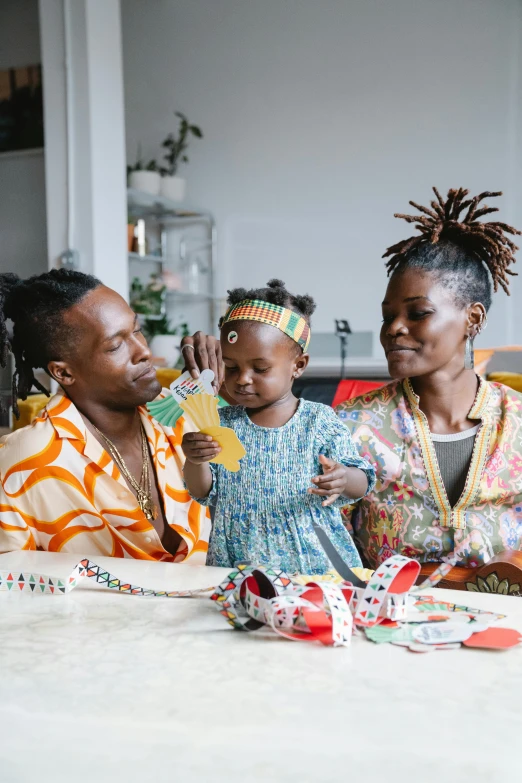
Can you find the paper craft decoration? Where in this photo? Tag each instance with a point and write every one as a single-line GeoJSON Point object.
{"type": "Point", "coordinates": [232, 450]}
{"type": "Point", "coordinates": [389, 584]}
{"type": "Point", "coordinates": [86, 569]}
{"type": "Point", "coordinates": [203, 410]}
{"type": "Point", "coordinates": [495, 639]}
{"type": "Point", "coordinates": [442, 633]}
{"type": "Point", "coordinates": [252, 597]}
{"type": "Point", "coordinates": [196, 398]}
{"type": "Point", "coordinates": [167, 411]}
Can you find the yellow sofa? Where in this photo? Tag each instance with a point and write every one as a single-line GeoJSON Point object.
{"type": "Point", "coordinates": [511, 379]}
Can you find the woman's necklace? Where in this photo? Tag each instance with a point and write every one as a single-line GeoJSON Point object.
{"type": "Point", "coordinates": [143, 490]}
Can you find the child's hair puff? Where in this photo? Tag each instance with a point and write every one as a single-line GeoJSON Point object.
{"type": "Point", "coordinates": [275, 293]}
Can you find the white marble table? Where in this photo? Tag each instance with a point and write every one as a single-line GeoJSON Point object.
{"type": "Point", "coordinates": [97, 686]}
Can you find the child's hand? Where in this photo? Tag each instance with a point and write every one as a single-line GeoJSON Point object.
{"type": "Point", "coordinates": [333, 481]}
{"type": "Point", "coordinates": [199, 448]}
{"type": "Point", "coordinates": [338, 480]}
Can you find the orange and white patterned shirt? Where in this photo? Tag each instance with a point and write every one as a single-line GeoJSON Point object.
{"type": "Point", "coordinates": [60, 491]}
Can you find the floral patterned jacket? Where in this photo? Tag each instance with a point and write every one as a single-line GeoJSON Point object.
{"type": "Point", "coordinates": [408, 512]}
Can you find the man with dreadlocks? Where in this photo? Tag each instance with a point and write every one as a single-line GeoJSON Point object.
{"type": "Point", "coordinates": [447, 445]}
{"type": "Point", "coordinates": [95, 474]}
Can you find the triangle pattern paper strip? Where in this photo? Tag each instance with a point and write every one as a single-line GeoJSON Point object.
{"type": "Point", "coordinates": [86, 569]}
{"type": "Point", "coordinates": [251, 597]}
{"type": "Point", "coordinates": [320, 613]}
{"type": "Point", "coordinates": [229, 596]}
{"type": "Point", "coordinates": [386, 576]}
{"type": "Point", "coordinates": [439, 573]}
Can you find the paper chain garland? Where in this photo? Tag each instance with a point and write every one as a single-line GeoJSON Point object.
{"type": "Point", "coordinates": [254, 596]}
{"type": "Point", "coordinates": [387, 609]}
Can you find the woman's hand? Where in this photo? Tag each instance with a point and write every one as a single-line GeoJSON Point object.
{"type": "Point", "coordinates": [199, 448]}
{"type": "Point", "coordinates": [203, 352]}
{"type": "Point", "coordinates": [338, 480]}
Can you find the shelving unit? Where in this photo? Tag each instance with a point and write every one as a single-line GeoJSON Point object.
{"type": "Point", "coordinates": [182, 250]}
{"type": "Point", "coordinates": [146, 259]}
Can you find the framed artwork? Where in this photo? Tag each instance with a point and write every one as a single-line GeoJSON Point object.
{"type": "Point", "coordinates": [21, 109]}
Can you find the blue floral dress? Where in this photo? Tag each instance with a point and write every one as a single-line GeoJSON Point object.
{"type": "Point", "coordinates": [263, 513]}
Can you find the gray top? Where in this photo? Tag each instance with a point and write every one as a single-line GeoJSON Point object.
{"type": "Point", "coordinates": [454, 454]}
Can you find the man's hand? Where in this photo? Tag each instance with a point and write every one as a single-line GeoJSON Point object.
{"type": "Point", "coordinates": [338, 480]}
{"type": "Point", "coordinates": [199, 448]}
{"type": "Point", "coordinates": [203, 352]}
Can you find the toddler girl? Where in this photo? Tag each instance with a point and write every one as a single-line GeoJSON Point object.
{"type": "Point", "coordinates": [300, 466]}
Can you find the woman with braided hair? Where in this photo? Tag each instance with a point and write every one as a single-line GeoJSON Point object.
{"type": "Point", "coordinates": [95, 474]}
{"type": "Point", "coordinates": [446, 445]}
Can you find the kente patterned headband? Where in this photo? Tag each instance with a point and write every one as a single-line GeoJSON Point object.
{"type": "Point", "coordinates": [287, 321]}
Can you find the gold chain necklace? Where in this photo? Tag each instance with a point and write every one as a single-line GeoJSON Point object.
{"type": "Point", "coordinates": [143, 490]}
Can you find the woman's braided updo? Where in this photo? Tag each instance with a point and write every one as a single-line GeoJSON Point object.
{"type": "Point", "coordinates": [465, 253]}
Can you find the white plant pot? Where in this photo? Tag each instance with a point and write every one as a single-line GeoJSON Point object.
{"type": "Point", "coordinates": [173, 188]}
{"type": "Point", "coordinates": [146, 181]}
{"type": "Point", "coordinates": [166, 346]}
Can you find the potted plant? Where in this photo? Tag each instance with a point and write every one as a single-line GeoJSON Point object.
{"type": "Point", "coordinates": [172, 186]}
{"type": "Point", "coordinates": [160, 334]}
{"type": "Point", "coordinates": [149, 299]}
{"type": "Point", "coordinates": [144, 176]}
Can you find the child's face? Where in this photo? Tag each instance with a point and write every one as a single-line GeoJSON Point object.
{"type": "Point", "coordinates": [261, 363]}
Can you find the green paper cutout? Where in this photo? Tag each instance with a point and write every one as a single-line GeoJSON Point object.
{"type": "Point", "coordinates": [167, 411]}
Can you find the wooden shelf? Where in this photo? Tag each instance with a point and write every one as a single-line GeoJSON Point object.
{"type": "Point", "coordinates": [159, 206]}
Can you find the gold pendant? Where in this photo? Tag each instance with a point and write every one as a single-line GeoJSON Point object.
{"type": "Point", "coordinates": [147, 506]}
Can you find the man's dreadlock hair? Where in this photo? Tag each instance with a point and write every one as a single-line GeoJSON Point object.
{"type": "Point", "coordinates": [461, 250]}
{"type": "Point", "coordinates": [274, 293]}
{"type": "Point", "coordinates": [36, 307]}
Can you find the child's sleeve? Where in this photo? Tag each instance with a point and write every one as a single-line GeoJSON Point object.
{"type": "Point", "coordinates": [339, 446]}
{"type": "Point", "coordinates": [211, 498]}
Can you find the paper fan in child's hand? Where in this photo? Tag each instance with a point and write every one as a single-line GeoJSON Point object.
{"type": "Point", "coordinates": [167, 411]}
{"type": "Point", "coordinates": [203, 410]}
{"type": "Point", "coordinates": [232, 450]}
{"type": "Point", "coordinates": [195, 397]}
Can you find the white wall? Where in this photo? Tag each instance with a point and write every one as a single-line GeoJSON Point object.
{"type": "Point", "coordinates": [321, 120]}
{"type": "Point", "coordinates": [23, 241]}
{"type": "Point", "coordinates": [90, 186]}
